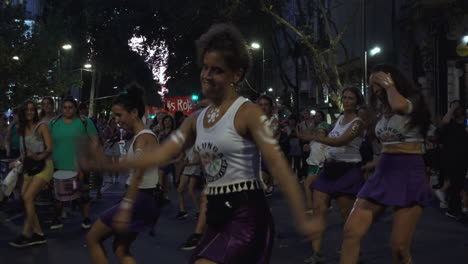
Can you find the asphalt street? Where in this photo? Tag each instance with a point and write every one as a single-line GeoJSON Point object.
{"type": "Point", "coordinates": [438, 239]}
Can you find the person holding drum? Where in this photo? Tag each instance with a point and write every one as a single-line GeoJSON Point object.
{"type": "Point", "coordinates": [138, 211]}
{"type": "Point", "coordinates": [69, 183]}
{"type": "Point", "coordinates": [36, 147]}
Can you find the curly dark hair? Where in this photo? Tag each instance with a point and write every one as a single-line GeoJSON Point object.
{"type": "Point", "coordinates": [22, 116]}
{"type": "Point", "coordinates": [130, 99]}
{"type": "Point", "coordinates": [420, 117]}
{"type": "Point", "coordinates": [226, 39]}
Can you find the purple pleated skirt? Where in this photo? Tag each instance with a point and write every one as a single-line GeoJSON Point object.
{"type": "Point", "coordinates": [399, 180]}
{"type": "Point", "coordinates": [348, 184]}
{"type": "Point", "coordinates": [145, 213]}
{"type": "Point", "coordinates": [247, 238]}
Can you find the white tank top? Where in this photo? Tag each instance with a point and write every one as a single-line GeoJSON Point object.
{"type": "Point", "coordinates": [151, 176]}
{"type": "Point", "coordinates": [349, 152]}
{"type": "Point", "coordinates": [230, 162]}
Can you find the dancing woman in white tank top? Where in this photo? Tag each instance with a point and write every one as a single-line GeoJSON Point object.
{"type": "Point", "coordinates": [229, 134]}
{"type": "Point", "coordinates": [138, 211]}
{"type": "Point", "coordinates": [341, 178]}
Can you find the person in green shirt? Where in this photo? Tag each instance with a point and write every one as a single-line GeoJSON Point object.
{"type": "Point", "coordinates": [67, 129]}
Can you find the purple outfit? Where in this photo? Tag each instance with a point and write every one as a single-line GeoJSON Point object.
{"type": "Point", "coordinates": [145, 213]}
{"type": "Point", "coordinates": [246, 238]}
{"type": "Point", "coordinates": [399, 180]}
{"type": "Point", "coordinates": [348, 184]}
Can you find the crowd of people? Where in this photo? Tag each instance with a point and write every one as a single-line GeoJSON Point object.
{"type": "Point", "coordinates": [231, 155]}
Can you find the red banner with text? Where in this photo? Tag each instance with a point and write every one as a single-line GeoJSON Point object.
{"type": "Point", "coordinates": [180, 103]}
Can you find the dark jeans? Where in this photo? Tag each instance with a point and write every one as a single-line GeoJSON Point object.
{"type": "Point", "coordinates": [456, 176]}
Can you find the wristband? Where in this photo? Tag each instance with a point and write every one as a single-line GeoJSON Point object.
{"type": "Point", "coordinates": [126, 203]}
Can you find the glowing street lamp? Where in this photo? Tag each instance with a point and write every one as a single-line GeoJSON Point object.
{"type": "Point", "coordinates": [88, 66]}
{"type": "Point", "coordinates": [15, 58]}
{"type": "Point", "coordinates": [374, 51]}
{"type": "Point", "coordinates": [255, 45]}
{"type": "Point", "coordinates": [465, 39]}
{"type": "Point", "coordinates": [270, 90]}
{"type": "Point", "coordinates": [67, 46]}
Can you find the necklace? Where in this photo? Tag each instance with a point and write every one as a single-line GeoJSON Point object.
{"type": "Point", "coordinates": [213, 114]}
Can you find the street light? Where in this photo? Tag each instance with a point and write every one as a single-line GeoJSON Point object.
{"type": "Point", "coordinates": [67, 46]}
{"type": "Point", "coordinates": [375, 51]}
{"type": "Point", "coordinates": [15, 58]}
{"type": "Point", "coordinates": [465, 39]}
{"type": "Point", "coordinates": [255, 45]}
{"type": "Point", "coordinates": [88, 66]}
{"type": "Point", "coordinates": [270, 90]}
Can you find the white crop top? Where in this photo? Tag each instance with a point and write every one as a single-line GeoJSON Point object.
{"type": "Point", "coordinates": [150, 177]}
{"type": "Point", "coordinates": [230, 162]}
{"type": "Point", "coordinates": [349, 152]}
{"type": "Point", "coordinates": [395, 129]}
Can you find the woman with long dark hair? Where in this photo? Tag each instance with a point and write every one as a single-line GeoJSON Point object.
{"type": "Point", "coordinates": [399, 179]}
{"type": "Point", "coordinates": [341, 178]}
{"type": "Point", "coordinates": [36, 148]}
{"type": "Point", "coordinates": [228, 136]}
{"type": "Point", "coordinates": [138, 210]}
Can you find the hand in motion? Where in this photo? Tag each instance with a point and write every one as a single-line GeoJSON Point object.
{"type": "Point", "coordinates": [92, 157]}
{"type": "Point", "coordinates": [382, 79]}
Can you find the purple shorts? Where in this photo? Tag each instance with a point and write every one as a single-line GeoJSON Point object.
{"type": "Point", "coordinates": [247, 238]}
{"type": "Point", "coordinates": [348, 184]}
{"type": "Point", "coordinates": [399, 180]}
{"type": "Point", "coordinates": [145, 213]}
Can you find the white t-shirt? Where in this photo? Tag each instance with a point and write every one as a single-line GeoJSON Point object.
{"type": "Point", "coordinates": [318, 153]}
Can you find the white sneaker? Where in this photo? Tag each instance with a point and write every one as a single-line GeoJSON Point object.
{"type": "Point", "coordinates": [441, 195]}
{"type": "Point", "coordinates": [443, 205]}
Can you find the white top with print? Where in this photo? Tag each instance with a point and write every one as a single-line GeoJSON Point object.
{"type": "Point", "coordinates": [349, 152]}
{"type": "Point", "coordinates": [230, 162]}
{"type": "Point", "coordinates": [150, 177]}
{"type": "Point", "coordinates": [395, 129]}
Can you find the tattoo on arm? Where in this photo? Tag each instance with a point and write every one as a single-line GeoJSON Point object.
{"type": "Point", "coordinates": [265, 133]}
{"type": "Point", "coordinates": [356, 128]}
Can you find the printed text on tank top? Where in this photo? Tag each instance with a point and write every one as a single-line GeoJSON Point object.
{"type": "Point", "coordinates": [394, 129]}
{"type": "Point", "coordinates": [231, 162]}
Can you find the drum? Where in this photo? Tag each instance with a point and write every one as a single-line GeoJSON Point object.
{"type": "Point", "coordinates": [66, 185]}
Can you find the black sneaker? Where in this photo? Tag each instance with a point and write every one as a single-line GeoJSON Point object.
{"type": "Point", "coordinates": [86, 223]}
{"type": "Point", "coordinates": [182, 215]}
{"type": "Point", "coordinates": [21, 241]}
{"type": "Point", "coordinates": [192, 242]}
{"type": "Point", "coordinates": [453, 215]}
{"type": "Point", "coordinates": [56, 224]}
{"type": "Point", "coordinates": [37, 239]}
{"type": "Point", "coordinates": [316, 258]}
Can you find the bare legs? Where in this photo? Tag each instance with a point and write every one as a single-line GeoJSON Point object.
{"type": "Point", "coordinates": [121, 246]}
{"type": "Point", "coordinates": [192, 182]}
{"type": "Point", "coordinates": [308, 192]}
{"type": "Point", "coordinates": [29, 191]}
{"type": "Point", "coordinates": [360, 220]}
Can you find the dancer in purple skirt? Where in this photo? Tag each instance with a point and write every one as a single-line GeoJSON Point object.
{"type": "Point", "coordinates": [138, 210]}
{"type": "Point", "coordinates": [399, 179]}
{"type": "Point", "coordinates": [228, 135]}
{"type": "Point", "coordinates": [341, 178]}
